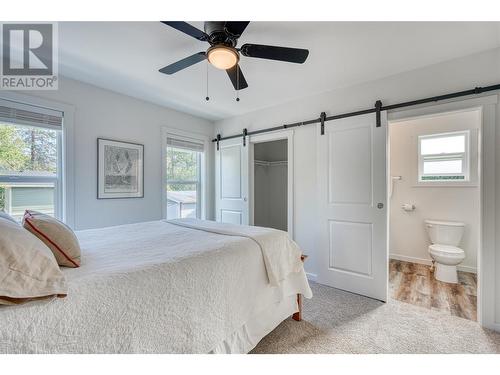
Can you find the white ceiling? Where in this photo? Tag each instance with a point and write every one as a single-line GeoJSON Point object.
{"type": "Point", "coordinates": [125, 57]}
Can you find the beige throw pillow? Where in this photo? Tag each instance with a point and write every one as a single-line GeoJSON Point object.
{"type": "Point", "coordinates": [56, 235]}
{"type": "Point", "coordinates": [28, 269]}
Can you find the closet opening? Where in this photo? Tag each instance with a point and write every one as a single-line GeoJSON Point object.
{"type": "Point", "coordinates": [270, 184]}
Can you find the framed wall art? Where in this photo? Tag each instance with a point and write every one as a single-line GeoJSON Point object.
{"type": "Point", "coordinates": [120, 169]}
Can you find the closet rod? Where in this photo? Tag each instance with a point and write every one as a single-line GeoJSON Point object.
{"type": "Point", "coordinates": [377, 109]}
{"type": "Point", "coordinates": [270, 163]}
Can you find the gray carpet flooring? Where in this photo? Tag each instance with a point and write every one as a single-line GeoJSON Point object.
{"type": "Point", "coordinates": [340, 322]}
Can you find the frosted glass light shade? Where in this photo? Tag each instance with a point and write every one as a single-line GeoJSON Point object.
{"type": "Point", "coordinates": [223, 57]}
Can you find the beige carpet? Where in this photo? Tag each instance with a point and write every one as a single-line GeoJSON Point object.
{"type": "Point", "coordinates": [340, 322]}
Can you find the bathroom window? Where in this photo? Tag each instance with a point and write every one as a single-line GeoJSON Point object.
{"type": "Point", "coordinates": [443, 157]}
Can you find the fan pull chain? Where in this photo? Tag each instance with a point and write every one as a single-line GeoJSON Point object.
{"type": "Point", "coordinates": [207, 98]}
{"type": "Point", "coordinates": [237, 82]}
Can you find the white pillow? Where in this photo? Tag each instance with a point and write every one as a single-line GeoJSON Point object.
{"type": "Point", "coordinates": [28, 269]}
{"type": "Point", "coordinates": [5, 215]}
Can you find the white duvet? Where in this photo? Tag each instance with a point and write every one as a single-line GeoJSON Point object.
{"type": "Point", "coordinates": [157, 287]}
{"type": "Point", "coordinates": [281, 256]}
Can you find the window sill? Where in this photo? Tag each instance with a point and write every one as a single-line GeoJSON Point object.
{"type": "Point", "coordinates": [445, 184]}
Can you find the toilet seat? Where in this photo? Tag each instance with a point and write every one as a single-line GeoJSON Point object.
{"type": "Point", "coordinates": [446, 250]}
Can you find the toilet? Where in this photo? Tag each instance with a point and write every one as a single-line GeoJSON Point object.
{"type": "Point", "coordinates": [445, 237]}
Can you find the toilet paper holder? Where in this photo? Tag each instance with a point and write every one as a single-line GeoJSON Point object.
{"type": "Point", "coordinates": [408, 207]}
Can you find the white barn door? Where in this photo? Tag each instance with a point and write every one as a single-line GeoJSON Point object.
{"type": "Point", "coordinates": [352, 206]}
{"type": "Point", "coordinates": [231, 184]}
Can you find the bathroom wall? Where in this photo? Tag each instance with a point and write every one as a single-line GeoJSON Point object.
{"type": "Point", "coordinates": [408, 238]}
{"type": "Point", "coordinates": [270, 185]}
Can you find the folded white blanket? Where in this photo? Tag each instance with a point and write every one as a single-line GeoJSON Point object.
{"type": "Point", "coordinates": [281, 254]}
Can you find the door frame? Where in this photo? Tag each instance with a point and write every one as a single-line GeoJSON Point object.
{"type": "Point", "coordinates": [486, 179]}
{"type": "Point", "coordinates": [269, 137]}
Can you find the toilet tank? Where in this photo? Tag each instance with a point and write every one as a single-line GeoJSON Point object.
{"type": "Point", "coordinates": [445, 232]}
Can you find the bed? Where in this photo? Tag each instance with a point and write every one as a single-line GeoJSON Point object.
{"type": "Point", "coordinates": [183, 286]}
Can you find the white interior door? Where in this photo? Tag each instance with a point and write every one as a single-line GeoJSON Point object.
{"type": "Point", "coordinates": [352, 206]}
{"type": "Point", "coordinates": [231, 185]}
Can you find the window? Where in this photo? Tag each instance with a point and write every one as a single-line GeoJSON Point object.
{"type": "Point", "coordinates": [184, 161]}
{"type": "Point", "coordinates": [30, 159]}
{"type": "Point", "coordinates": [443, 157]}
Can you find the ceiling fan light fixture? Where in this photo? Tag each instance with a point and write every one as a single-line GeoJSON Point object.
{"type": "Point", "coordinates": [223, 57]}
{"type": "Point", "coordinates": [223, 53]}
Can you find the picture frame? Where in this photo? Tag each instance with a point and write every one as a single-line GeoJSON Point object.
{"type": "Point", "coordinates": [120, 169]}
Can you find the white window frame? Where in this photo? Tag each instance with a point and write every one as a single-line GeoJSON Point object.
{"type": "Point", "coordinates": [202, 171]}
{"type": "Point", "coordinates": [464, 156]}
{"type": "Point", "coordinates": [36, 181]}
{"type": "Point", "coordinates": [65, 189]}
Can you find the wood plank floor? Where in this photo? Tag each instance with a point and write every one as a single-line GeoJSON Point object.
{"type": "Point", "coordinates": [415, 283]}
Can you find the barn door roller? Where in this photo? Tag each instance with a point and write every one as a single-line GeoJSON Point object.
{"type": "Point", "coordinates": [322, 119]}
{"type": "Point", "coordinates": [378, 108]}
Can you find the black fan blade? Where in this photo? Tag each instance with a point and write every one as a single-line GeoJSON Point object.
{"type": "Point", "coordinates": [237, 78]}
{"type": "Point", "coordinates": [186, 28]}
{"type": "Point", "coordinates": [184, 63]}
{"type": "Point", "coordinates": [294, 55]}
{"type": "Point", "coordinates": [236, 27]}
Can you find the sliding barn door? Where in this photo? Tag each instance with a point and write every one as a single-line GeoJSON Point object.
{"type": "Point", "coordinates": [231, 185]}
{"type": "Point", "coordinates": [352, 206]}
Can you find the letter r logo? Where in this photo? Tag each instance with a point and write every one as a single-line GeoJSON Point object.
{"type": "Point", "coordinates": [27, 49]}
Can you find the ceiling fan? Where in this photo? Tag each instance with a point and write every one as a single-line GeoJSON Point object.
{"type": "Point", "coordinates": [223, 53]}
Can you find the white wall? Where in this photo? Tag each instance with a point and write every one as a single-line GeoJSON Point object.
{"type": "Point", "coordinates": [278, 196]}
{"type": "Point", "coordinates": [477, 70]}
{"type": "Point", "coordinates": [272, 150]}
{"type": "Point", "coordinates": [261, 197]}
{"type": "Point", "coordinates": [106, 114]}
{"type": "Point", "coordinates": [408, 238]}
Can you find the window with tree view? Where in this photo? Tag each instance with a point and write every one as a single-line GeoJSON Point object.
{"type": "Point", "coordinates": [29, 163]}
{"type": "Point", "coordinates": [184, 183]}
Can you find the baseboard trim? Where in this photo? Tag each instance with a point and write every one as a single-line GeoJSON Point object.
{"type": "Point", "coordinates": [311, 276]}
{"type": "Point", "coordinates": [467, 269]}
{"type": "Point", "coordinates": [493, 326]}
{"type": "Point", "coordinates": [428, 262]}
{"type": "Point", "coordinates": [406, 258]}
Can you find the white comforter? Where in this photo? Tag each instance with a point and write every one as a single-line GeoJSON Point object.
{"type": "Point", "coordinates": [281, 256]}
{"type": "Point", "coordinates": [154, 288]}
